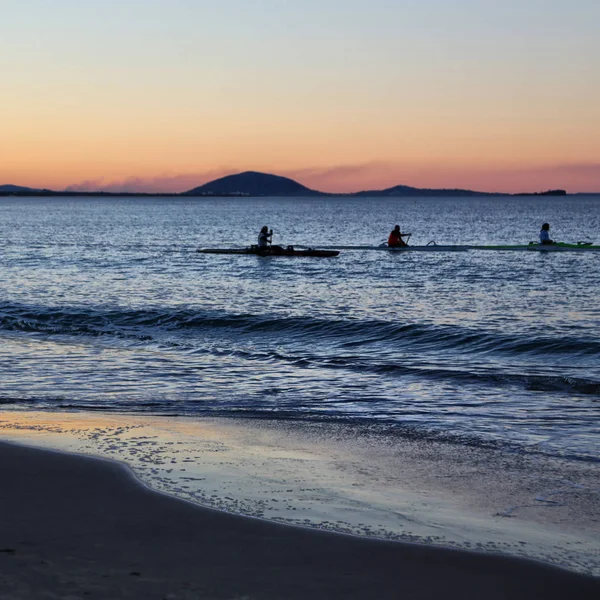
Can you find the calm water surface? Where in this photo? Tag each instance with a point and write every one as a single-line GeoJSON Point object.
{"type": "Point", "coordinates": [105, 305]}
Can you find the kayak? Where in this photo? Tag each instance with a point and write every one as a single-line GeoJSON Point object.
{"type": "Point", "coordinates": [325, 251]}
{"type": "Point", "coordinates": [558, 247]}
{"type": "Point", "coordinates": [385, 247]}
{"type": "Point", "coordinates": [430, 248]}
{"type": "Point", "coordinates": [272, 251]}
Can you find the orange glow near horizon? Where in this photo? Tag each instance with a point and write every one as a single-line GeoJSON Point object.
{"type": "Point", "coordinates": [415, 147]}
{"type": "Point", "coordinates": [496, 98]}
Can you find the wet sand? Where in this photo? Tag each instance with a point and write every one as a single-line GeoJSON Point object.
{"type": "Point", "coordinates": [342, 479]}
{"type": "Point", "coordinates": [77, 527]}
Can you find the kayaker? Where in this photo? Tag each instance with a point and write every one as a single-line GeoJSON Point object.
{"type": "Point", "coordinates": [545, 234]}
{"type": "Point", "coordinates": [265, 237]}
{"type": "Point", "coordinates": [395, 238]}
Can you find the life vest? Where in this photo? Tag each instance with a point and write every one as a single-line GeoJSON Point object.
{"type": "Point", "coordinates": [395, 239]}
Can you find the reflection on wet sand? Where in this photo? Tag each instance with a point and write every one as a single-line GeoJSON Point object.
{"type": "Point", "coordinates": [343, 478]}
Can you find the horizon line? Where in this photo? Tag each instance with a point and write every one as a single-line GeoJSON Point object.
{"type": "Point", "coordinates": [96, 187]}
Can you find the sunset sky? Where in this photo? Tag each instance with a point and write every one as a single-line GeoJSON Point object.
{"type": "Point", "coordinates": [342, 95]}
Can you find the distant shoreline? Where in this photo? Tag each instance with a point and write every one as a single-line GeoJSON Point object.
{"type": "Point", "coordinates": [429, 194]}
{"type": "Point", "coordinates": [251, 184]}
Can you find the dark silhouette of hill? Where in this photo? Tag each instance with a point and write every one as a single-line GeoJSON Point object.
{"type": "Point", "coordinates": [406, 190]}
{"type": "Point", "coordinates": [547, 193]}
{"type": "Point", "coordinates": [16, 188]}
{"type": "Point", "coordinates": [252, 183]}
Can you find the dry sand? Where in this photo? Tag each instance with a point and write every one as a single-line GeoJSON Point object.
{"type": "Point", "coordinates": [77, 527]}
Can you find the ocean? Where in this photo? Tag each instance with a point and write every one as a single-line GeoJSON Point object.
{"type": "Point", "coordinates": [106, 307]}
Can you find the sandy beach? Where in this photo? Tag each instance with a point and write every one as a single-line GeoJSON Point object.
{"type": "Point", "coordinates": [344, 480]}
{"type": "Point", "coordinates": [75, 527]}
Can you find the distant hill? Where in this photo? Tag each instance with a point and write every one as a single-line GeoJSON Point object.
{"type": "Point", "coordinates": [16, 188]}
{"type": "Point", "coordinates": [252, 183]}
{"type": "Point", "coordinates": [406, 190]}
{"type": "Point", "coordinates": [547, 193]}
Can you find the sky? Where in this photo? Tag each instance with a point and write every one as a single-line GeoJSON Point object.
{"type": "Point", "coordinates": [341, 95]}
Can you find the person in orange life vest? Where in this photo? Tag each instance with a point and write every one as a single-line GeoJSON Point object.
{"type": "Point", "coordinates": [395, 238]}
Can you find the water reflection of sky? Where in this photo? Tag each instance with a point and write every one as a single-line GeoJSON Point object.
{"type": "Point", "coordinates": [105, 304]}
{"type": "Point", "coordinates": [345, 478]}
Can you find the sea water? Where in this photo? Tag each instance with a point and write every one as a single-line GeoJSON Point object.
{"type": "Point", "coordinates": [106, 306]}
